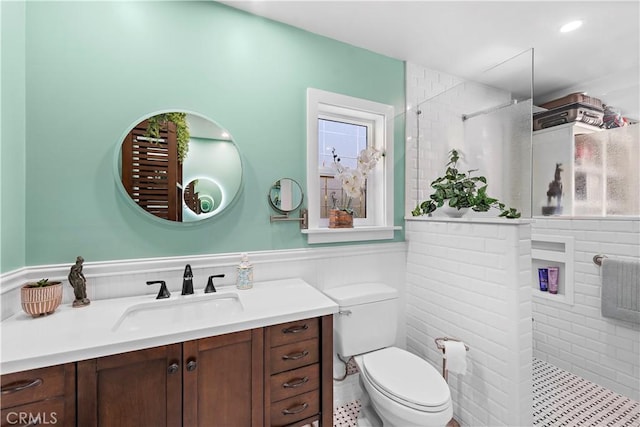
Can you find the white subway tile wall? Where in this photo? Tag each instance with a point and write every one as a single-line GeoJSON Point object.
{"type": "Point", "coordinates": [576, 337]}
{"type": "Point", "coordinates": [471, 281]}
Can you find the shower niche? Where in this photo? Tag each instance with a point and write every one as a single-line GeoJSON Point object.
{"type": "Point", "coordinates": [553, 251]}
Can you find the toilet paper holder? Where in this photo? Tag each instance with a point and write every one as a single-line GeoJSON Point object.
{"type": "Point", "coordinates": [440, 345]}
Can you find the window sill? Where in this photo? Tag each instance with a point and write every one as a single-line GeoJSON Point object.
{"type": "Point", "coordinates": [356, 234]}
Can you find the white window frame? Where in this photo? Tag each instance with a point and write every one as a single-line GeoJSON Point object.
{"type": "Point", "coordinates": [379, 222]}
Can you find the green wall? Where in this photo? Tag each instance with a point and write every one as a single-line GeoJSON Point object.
{"type": "Point", "coordinates": [12, 136]}
{"type": "Point", "coordinates": [93, 69]}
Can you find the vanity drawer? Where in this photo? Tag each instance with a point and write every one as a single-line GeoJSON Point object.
{"type": "Point", "coordinates": [297, 381]}
{"type": "Point", "coordinates": [299, 330]}
{"type": "Point", "coordinates": [295, 408]}
{"type": "Point", "coordinates": [44, 412]}
{"type": "Point", "coordinates": [295, 355]}
{"type": "Point", "coordinates": [30, 386]}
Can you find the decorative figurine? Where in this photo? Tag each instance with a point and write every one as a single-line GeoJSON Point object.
{"type": "Point", "coordinates": [555, 190]}
{"type": "Point", "coordinates": [79, 283]}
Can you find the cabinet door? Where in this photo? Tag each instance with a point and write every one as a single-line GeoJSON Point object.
{"type": "Point", "coordinates": [39, 396]}
{"type": "Point", "coordinates": [223, 380]}
{"type": "Point", "coordinates": [138, 388]}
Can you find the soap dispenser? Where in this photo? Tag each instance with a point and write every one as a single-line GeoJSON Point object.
{"type": "Point", "coordinates": [245, 273]}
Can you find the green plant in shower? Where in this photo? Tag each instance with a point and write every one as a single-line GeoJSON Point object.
{"type": "Point", "coordinates": [461, 190]}
{"type": "Point", "coordinates": [155, 124]}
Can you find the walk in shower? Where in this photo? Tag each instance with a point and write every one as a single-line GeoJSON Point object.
{"type": "Point", "coordinates": [488, 118]}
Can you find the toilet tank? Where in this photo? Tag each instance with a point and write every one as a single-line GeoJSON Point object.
{"type": "Point", "coordinates": [367, 319]}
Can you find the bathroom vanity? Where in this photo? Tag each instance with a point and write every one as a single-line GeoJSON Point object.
{"type": "Point", "coordinates": [268, 362]}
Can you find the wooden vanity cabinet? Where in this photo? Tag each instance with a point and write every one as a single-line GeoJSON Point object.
{"type": "Point", "coordinates": [210, 382]}
{"type": "Point", "coordinates": [274, 376]}
{"type": "Point", "coordinates": [298, 373]}
{"type": "Point", "coordinates": [39, 397]}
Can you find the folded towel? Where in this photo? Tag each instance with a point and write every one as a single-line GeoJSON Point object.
{"type": "Point", "coordinates": [621, 290]}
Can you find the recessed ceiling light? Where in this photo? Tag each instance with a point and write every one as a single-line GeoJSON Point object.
{"type": "Point", "coordinates": [570, 26]}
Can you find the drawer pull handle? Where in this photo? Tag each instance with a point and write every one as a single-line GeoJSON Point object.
{"type": "Point", "coordinates": [297, 382]}
{"type": "Point", "coordinates": [296, 356]}
{"type": "Point", "coordinates": [21, 385]}
{"type": "Point", "coordinates": [295, 409]}
{"type": "Point", "coordinates": [295, 329]}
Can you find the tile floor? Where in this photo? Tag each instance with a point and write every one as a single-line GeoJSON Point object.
{"type": "Point", "coordinates": [347, 415]}
{"type": "Point", "coordinates": [562, 399]}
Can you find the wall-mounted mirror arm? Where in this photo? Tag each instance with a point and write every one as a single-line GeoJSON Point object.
{"type": "Point", "coordinates": [304, 218]}
{"type": "Point", "coordinates": [285, 196]}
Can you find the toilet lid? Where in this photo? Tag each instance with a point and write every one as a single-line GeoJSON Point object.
{"type": "Point", "coordinates": [407, 378]}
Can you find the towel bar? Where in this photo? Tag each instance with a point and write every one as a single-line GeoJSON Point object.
{"type": "Point", "coordinates": [597, 259]}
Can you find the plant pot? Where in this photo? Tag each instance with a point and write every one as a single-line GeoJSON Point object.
{"type": "Point", "coordinates": [41, 300]}
{"type": "Point", "coordinates": [340, 219]}
{"type": "Point", "coordinates": [454, 212]}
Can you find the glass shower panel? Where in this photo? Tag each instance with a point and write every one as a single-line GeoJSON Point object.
{"type": "Point", "coordinates": [488, 119]}
{"type": "Point", "coordinates": [606, 176]}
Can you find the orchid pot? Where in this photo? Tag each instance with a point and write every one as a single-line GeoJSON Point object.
{"type": "Point", "coordinates": [340, 219]}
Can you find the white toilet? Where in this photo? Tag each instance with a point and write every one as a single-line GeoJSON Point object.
{"type": "Point", "coordinates": [404, 389]}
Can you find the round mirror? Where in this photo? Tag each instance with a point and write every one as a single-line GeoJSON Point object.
{"type": "Point", "coordinates": [202, 198]}
{"type": "Point", "coordinates": [285, 195]}
{"type": "Point", "coordinates": [179, 166]}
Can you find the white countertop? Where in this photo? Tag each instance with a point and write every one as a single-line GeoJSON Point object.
{"type": "Point", "coordinates": [73, 334]}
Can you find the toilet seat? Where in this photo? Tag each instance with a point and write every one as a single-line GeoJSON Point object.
{"type": "Point", "coordinates": [407, 379]}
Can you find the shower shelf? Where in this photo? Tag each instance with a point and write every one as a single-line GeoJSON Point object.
{"type": "Point", "coordinates": [549, 251]}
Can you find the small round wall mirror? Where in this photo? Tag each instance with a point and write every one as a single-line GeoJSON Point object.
{"type": "Point", "coordinates": [285, 195]}
{"type": "Point", "coordinates": [179, 166]}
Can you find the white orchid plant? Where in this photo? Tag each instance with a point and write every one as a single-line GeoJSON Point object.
{"type": "Point", "coordinates": [353, 180]}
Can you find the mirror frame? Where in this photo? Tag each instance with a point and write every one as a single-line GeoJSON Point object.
{"type": "Point", "coordinates": [285, 211]}
{"type": "Point", "coordinates": [136, 207]}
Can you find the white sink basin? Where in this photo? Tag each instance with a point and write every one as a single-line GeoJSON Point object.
{"type": "Point", "coordinates": [165, 314]}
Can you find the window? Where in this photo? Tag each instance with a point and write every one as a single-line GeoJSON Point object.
{"type": "Point", "coordinates": [343, 138]}
{"type": "Point", "coordinates": [344, 126]}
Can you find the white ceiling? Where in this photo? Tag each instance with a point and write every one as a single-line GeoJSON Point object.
{"type": "Point", "coordinates": [466, 38]}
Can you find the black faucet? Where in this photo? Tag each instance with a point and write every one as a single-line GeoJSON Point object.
{"type": "Point", "coordinates": [210, 288]}
{"type": "Point", "coordinates": [187, 281]}
{"type": "Point", "coordinates": [164, 292]}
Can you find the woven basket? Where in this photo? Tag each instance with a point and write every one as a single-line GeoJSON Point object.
{"type": "Point", "coordinates": [41, 300]}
